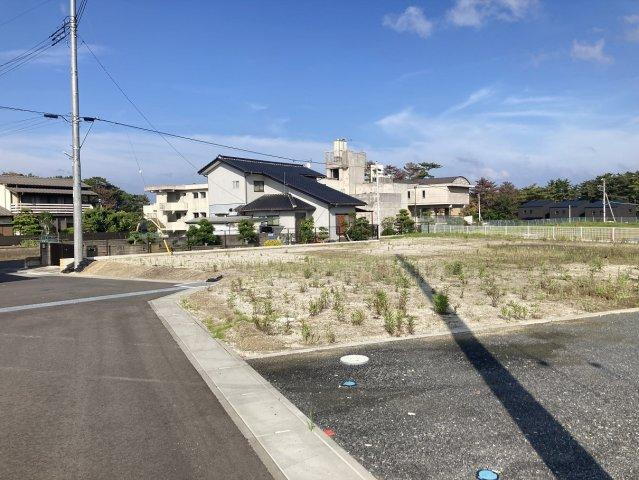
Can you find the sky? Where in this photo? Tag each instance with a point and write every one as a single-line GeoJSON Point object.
{"type": "Point", "coordinates": [514, 90]}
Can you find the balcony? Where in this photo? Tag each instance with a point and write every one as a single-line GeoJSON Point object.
{"type": "Point", "coordinates": [180, 205]}
{"type": "Point", "coordinates": [65, 209]}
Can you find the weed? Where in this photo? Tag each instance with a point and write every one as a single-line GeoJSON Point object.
{"type": "Point", "coordinates": [308, 336]}
{"type": "Point", "coordinates": [402, 302]}
{"type": "Point", "coordinates": [410, 324]}
{"type": "Point", "coordinates": [455, 268]}
{"type": "Point", "coordinates": [307, 272]}
{"type": "Point", "coordinates": [379, 302]}
{"type": "Point", "coordinates": [493, 290]}
{"type": "Point", "coordinates": [303, 287]}
{"type": "Point", "coordinates": [236, 285]}
{"type": "Point", "coordinates": [514, 310]}
{"type": "Point", "coordinates": [440, 302]}
{"type": "Point", "coordinates": [390, 322]}
{"type": "Point", "coordinates": [330, 334]}
{"type": "Point", "coordinates": [357, 317]}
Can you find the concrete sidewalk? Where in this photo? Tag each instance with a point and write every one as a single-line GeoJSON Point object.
{"type": "Point", "coordinates": [287, 441]}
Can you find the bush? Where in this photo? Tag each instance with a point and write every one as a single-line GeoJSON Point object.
{"type": "Point", "coordinates": [380, 302]}
{"type": "Point", "coordinates": [514, 310]}
{"type": "Point", "coordinates": [273, 243]}
{"type": "Point", "coordinates": [440, 302]}
{"type": "Point", "coordinates": [388, 226]}
{"type": "Point", "coordinates": [390, 322]}
{"type": "Point", "coordinates": [247, 232]}
{"type": "Point", "coordinates": [360, 229]}
{"type": "Point", "coordinates": [357, 317]}
{"type": "Point", "coordinates": [202, 234]}
{"type": "Point", "coordinates": [403, 222]}
{"type": "Point", "coordinates": [307, 230]}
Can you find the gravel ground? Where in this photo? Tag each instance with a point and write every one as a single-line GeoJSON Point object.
{"type": "Point", "coordinates": [546, 401]}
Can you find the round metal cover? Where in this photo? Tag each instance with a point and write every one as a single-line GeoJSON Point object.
{"type": "Point", "coordinates": [349, 383]}
{"type": "Point", "coordinates": [354, 360]}
{"type": "Point", "coordinates": [487, 474]}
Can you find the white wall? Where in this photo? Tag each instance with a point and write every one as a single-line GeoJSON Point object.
{"type": "Point", "coordinates": [223, 198]}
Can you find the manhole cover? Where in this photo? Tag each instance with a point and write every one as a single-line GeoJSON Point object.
{"type": "Point", "coordinates": [354, 360]}
{"type": "Point", "coordinates": [487, 474]}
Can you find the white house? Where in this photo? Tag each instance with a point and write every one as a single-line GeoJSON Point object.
{"type": "Point", "coordinates": [283, 193]}
{"type": "Point", "coordinates": [177, 204]}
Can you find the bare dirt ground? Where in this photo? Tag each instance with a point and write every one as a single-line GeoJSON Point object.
{"type": "Point", "coordinates": [287, 299]}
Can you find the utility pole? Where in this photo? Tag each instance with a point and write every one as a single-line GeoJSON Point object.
{"type": "Point", "coordinates": [479, 206]}
{"type": "Point", "coordinates": [379, 207]}
{"type": "Point", "coordinates": [75, 134]}
{"type": "Point", "coordinates": [603, 200]}
{"type": "Point", "coordinates": [415, 203]}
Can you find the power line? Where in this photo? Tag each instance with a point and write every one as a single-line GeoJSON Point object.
{"type": "Point", "coordinates": [24, 12]}
{"type": "Point", "coordinates": [153, 129]}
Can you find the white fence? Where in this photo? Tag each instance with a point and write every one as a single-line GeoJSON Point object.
{"type": "Point", "coordinates": [583, 234]}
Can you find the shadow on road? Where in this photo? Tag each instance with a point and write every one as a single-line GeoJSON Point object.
{"type": "Point", "coordinates": [561, 453]}
{"type": "Point", "coordinates": [8, 267]}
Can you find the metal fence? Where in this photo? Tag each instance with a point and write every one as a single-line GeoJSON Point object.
{"type": "Point", "coordinates": [583, 234]}
{"type": "Point", "coordinates": [554, 221]}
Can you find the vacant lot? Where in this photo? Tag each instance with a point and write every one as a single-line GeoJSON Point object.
{"type": "Point", "coordinates": [285, 299]}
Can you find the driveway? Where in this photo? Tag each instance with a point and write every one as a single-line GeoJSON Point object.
{"type": "Point", "coordinates": [547, 401]}
{"type": "Point", "coordinates": [101, 390]}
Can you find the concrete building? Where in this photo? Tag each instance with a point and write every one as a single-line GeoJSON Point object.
{"type": "Point", "coordinates": [594, 210]}
{"type": "Point", "coordinates": [345, 171]}
{"type": "Point", "coordinates": [40, 194]}
{"type": "Point", "coordinates": [284, 193]}
{"type": "Point", "coordinates": [176, 204]}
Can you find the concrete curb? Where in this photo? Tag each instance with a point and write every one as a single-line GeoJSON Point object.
{"type": "Point", "coordinates": [277, 430]}
{"type": "Point", "coordinates": [445, 332]}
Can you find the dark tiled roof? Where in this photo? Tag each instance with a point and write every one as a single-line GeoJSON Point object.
{"type": "Point", "coordinates": [599, 204]}
{"type": "Point", "coordinates": [572, 203]}
{"type": "Point", "coordinates": [282, 202]}
{"type": "Point", "coordinates": [4, 212]}
{"type": "Point", "coordinates": [297, 177]}
{"type": "Point", "coordinates": [24, 181]}
{"type": "Point", "coordinates": [537, 203]}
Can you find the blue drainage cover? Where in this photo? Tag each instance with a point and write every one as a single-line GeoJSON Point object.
{"type": "Point", "coordinates": [349, 383]}
{"type": "Point", "coordinates": [486, 474]}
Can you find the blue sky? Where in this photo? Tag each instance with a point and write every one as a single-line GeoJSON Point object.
{"type": "Point", "coordinates": [519, 90]}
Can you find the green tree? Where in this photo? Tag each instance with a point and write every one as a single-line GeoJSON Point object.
{"type": "Point", "coordinates": [532, 192]}
{"type": "Point", "coordinates": [359, 229]}
{"type": "Point", "coordinates": [202, 234]}
{"type": "Point", "coordinates": [394, 172]}
{"type": "Point", "coordinates": [26, 223]}
{"type": "Point", "coordinates": [46, 221]}
{"type": "Point", "coordinates": [388, 226]}
{"type": "Point", "coordinates": [559, 190]}
{"type": "Point", "coordinates": [114, 198]}
{"type": "Point", "coordinates": [403, 222]}
{"type": "Point", "coordinates": [418, 171]}
{"type": "Point", "coordinates": [247, 231]}
{"type": "Point", "coordinates": [307, 230]}
{"type": "Point", "coordinates": [106, 220]}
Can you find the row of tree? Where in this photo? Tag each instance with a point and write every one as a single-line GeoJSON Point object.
{"type": "Point", "coordinates": [501, 202]}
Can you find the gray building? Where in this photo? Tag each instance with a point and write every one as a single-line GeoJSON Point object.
{"type": "Point", "coordinates": [568, 209]}
{"type": "Point", "coordinates": [534, 210]}
{"type": "Point", "coordinates": [594, 210]}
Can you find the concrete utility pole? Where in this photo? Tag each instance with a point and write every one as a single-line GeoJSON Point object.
{"type": "Point", "coordinates": [603, 200]}
{"type": "Point", "coordinates": [479, 206]}
{"type": "Point", "coordinates": [379, 207]}
{"type": "Point", "coordinates": [75, 134]}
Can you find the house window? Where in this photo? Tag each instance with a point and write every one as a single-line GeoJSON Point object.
{"type": "Point", "coordinates": [195, 195]}
{"type": "Point", "coordinates": [258, 186]}
{"type": "Point", "coordinates": [409, 194]}
{"type": "Point", "coordinates": [236, 184]}
{"type": "Point", "coordinates": [273, 220]}
{"type": "Point", "coordinates": [335, 173]}
{"type": "Point", "coordinates": [178, 215]}
{"type": "Point", "coordinates": [423, 193]}
{"type": "Point", "coordinates": [202, 194]}
{"type": "Point", "coordinates": [203, 214]}
{"type": "Point", "coordinates": [196, 215]}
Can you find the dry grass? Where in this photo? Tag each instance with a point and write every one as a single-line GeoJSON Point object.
{"type": "Point", "coordinates": [360, 292]}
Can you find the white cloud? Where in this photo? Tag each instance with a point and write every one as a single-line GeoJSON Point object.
{"type": "Point", "coordinates": [528, 100]}
{"type": "Point", "coordinates": [472, 99]}
{"type": "Point", "coordinates": [256, 107]}
{"type": "Point", "coordinates": [412, 20]}
{"type": "Point", "coordinates": [591, 52]}
{"type": "Point", "coordinates": [632, 34]}
{"type": "Point", "coordinates": [521, 145]}
{"type": "Point", "coordinates": [475, 13]}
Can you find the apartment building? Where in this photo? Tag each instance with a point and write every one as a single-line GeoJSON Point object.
{"type": "Point", "coordinates": [175, 205]}
{"type": "Point", "coordinates": [40, 194]}
{"type": "Point", "coordinates": [346, 172]}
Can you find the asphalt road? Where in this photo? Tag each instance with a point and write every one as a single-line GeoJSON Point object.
{"type": "Point", "coordinates": [549, 401]}
{"type": "Point", "coordinates": [101, 390]}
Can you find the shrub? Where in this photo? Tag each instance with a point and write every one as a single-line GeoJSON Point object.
{"type": "Point", "coordinates": [307, 230]}
{"type": "Point", "coordinates": [380, 302]}
{"type": "Point", "coordinates": [360, 229]}
{"type": "Point", "coordinates": [30, 243]}
{"type": "Point", "coordinates": [246, 230]}
{"type": "Point", "coordinates": [322, 234]}
{"type": "Point", "coordinates": [403, 222]}
{"type": "Point", "coordinates": [357, 317]}
{"type": "Point", "coordinates": [455, 268]}
{"type": "Point", "coordinates": [307, 334]}
{"type": "Point", "coordinates": [388, 226]}
{"type": "Point", "coordinates": [202, 234]}
{"type": "Point", "coordinates": [276, 242]}
{"type": "Point", "coordinates": [390, 322]}
{"type": "Point", "coordinates": [440, 302]}
{"type": "Point", "coordinates": [493, 290]}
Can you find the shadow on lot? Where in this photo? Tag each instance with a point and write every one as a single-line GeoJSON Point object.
{"type": "Point", "coordinates": [8, 267]}
{"type": "Point", "coordinates": [561, 453]}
